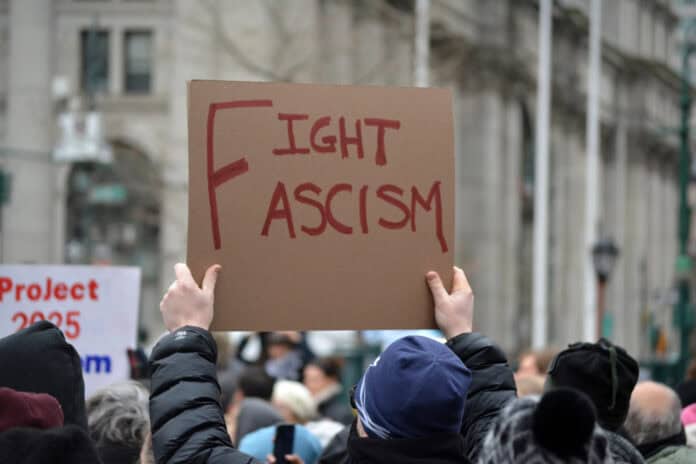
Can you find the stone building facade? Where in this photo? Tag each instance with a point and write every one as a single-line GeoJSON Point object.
{"type": "Point", "coordinates": [484, 51]}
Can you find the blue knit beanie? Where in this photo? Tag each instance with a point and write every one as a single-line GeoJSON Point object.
{"type": "Point", "coordinates": [417, 388]}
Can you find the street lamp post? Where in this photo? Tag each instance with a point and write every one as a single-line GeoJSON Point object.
{"type": "Point", "coordinates": [604, 255]}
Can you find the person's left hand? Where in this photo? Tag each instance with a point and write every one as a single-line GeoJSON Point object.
{"type": "Point", "coordinates": [288, 457]}
{"type": "Point", "coordinates": [454, 312]}
{"type": "Point", "coordinates": [187, 304]}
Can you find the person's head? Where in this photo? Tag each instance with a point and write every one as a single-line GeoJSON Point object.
{"type": "Point", "coordinates": [278, 344]}
{"type": "Point", "coordinates": [321, 374]}
{"type": "Point", "coordinates": [654, 415]}
{"type": "Point", "coordinates": [691, 371]}
{"type": "Point", "coordinates": [528, 385]}
{"type": "Point", "coordinates": [602, 371]}
{"type": "Point", "coordinates": [254, 382]}
{"type": "Point", "coordinates": [416, 388]}
{"type": "Point", "coordinates": [294, 402]}
{"type": "Point", "coordinates": [535, 362]}
{"type": "Point", "coordinates": [560, 427]}
{"type": "Point", "coordinates": [39, 360]}
{"type": "Point", "coordinates": [118, 419]}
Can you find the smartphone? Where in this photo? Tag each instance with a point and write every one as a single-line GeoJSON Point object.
{"type": "Point", "coordinates": [284, 442]}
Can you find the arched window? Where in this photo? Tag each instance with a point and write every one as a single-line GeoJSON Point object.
{"type": "Point", "coordinates": [113, 215]}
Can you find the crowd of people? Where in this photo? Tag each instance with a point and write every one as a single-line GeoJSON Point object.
{"type": "Point", "coordinates": [420, 401]}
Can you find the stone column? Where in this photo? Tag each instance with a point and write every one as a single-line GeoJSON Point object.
{"type": "Point", "coordinates": [616, 290]}
{"type": "Point", "coordinates": [481, 241]}
{"type": "Point", "coordinates": [634, 250]}
{"type": "Point", "coordinates": [27, 221]}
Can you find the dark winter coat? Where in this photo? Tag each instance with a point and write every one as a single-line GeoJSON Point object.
{"type": "Point", "coordinates": [492, 387]}
{"type": "Point", "coordinates": [60, 445]}
{"type": "Point", "coordinates": [185, 413]}
{"type": "Point", "coordinates": [336, 407]}
{"type": "Point", "coordinates": [39, 360]}
{"type": "Point", "coordinates": [445, 449]}
{"type": "Point", "coordinates": [622, 450]}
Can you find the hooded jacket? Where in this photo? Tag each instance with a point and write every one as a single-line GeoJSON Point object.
{"type": "Point", "coordinates": [39, 360]}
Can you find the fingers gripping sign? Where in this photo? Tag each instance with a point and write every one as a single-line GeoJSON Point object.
{"type": "Point", "coordinates": [185, 303]}
{"type": "Point", "coordinates": [454, 312]}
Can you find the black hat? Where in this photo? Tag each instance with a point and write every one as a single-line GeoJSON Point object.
{"type": "Point", "coordinates": [558, 428]}
{"type": "Point", "coordinates": [604, 372]}
{"type": "Point", "coordinates": [39, 360]}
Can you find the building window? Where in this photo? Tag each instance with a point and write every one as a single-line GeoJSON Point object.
{"type": "Point", "coordinates": [138, 61]}
{"type": "Point", "coordinates": [95, 60]}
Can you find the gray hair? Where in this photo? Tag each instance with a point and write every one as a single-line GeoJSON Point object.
{"type": "Point", "coordinates": [651, 426]}
{"type": "Point", "coordinates": [119, 414]}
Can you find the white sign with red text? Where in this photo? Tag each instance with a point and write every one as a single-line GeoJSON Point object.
{"type": "Point", "coordinates": [96, 307]}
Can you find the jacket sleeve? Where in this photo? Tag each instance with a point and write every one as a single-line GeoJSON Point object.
{"type": "Point", "coordinates": [187, 420]}
{"type": "Point", "coordinates": [492, 387]}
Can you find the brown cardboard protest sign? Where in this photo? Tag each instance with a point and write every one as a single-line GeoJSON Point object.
{"type": "Point", "coordinates": [325, 205]}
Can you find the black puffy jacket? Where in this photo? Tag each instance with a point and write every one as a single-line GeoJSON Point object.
{"type": "Point", "coordinates": [492, 387]}
{"type": "Point", "coordinates": [187, 420]}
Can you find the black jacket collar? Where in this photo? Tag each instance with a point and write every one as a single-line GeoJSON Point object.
{"type": "Point", "coordinates": [441, 449]}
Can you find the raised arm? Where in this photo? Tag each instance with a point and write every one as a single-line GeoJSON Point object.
{"type": "Point", "coordinates": [492, 385]}
{"type": "Point", "coordinates": [187, 420]}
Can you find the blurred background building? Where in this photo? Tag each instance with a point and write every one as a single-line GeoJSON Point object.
{"type": "Point", "coordinates": [93, 133]}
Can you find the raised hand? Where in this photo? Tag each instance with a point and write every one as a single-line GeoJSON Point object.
{"type": "Point", "coordinates": [187, 304]}
{"type": "Point", "coordinates": [454, 312]}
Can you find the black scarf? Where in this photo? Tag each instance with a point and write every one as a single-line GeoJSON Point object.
{"type": "Point", "coordinates": [650, 449]}
{"type": "Point", "coordinates": [441, 449]}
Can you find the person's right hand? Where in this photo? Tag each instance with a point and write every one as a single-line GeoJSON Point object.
{"type": "Point", "coordinates": [187, 304]}
{"type": "Point", "coordinates": [454, 312]}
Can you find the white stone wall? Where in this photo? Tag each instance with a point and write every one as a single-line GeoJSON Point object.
{"type": "Point", "coordinates": [338, 41]}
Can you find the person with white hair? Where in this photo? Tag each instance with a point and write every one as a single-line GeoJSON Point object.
{"type": "Point", "coordinates": [294, 402]}
{"type": "Point", "coordinates": [297, 406]}
{"type": "Point", "coordinates": [118, 421]}
{"type": "Point", "coordinates": [654, 424]}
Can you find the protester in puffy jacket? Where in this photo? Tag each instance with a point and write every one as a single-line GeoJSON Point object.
{"type": "Point", "coordinates": [46, 422]}
{"type": "Point", "coordinates": [118, 421]}
{"type": "Point", "coordinates": [607, 374]}
{"type": "Point", "coordinates": [187, 421]}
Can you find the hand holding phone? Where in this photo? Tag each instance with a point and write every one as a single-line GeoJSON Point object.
{"type": "Point", "coordinates": [284, 443]}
